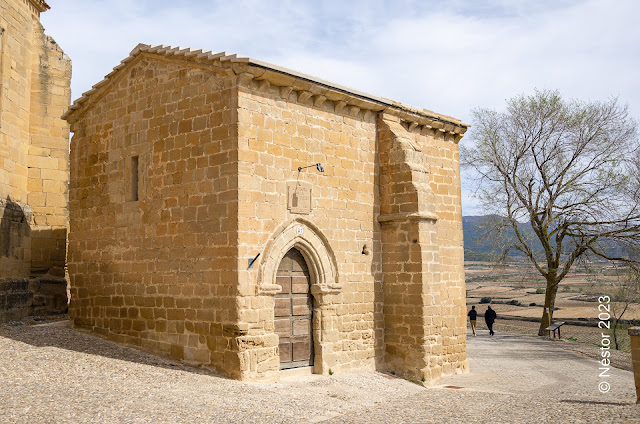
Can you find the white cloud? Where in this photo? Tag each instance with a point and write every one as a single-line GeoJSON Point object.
{"type": "Point", "coordinates": [444, 56]}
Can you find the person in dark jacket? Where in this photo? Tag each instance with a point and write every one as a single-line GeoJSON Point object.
{"type": "Point", "coordinates": [473, 316]}
{"type": "Point", "coordinates": [490, 318]}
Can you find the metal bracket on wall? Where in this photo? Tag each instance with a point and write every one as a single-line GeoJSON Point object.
{"type": "Point", "coordinates": [252, 260]}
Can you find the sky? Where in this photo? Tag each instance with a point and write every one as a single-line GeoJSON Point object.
{"type": "Point", "coordinates": [447, 56]}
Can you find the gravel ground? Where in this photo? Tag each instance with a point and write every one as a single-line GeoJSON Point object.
{"type": "Point", "coordinates": [53, 374]}
{"type": "Point", "coordinates": [588, 340]}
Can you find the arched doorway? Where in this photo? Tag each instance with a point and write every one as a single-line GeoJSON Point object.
{"type": "Point", "coordinates": [294, 311]}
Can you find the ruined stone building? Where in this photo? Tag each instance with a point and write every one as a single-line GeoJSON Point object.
{"type": "Point", "coordinates": [229, 212]}
{"type": "Point", "coordinates": [34, 154]}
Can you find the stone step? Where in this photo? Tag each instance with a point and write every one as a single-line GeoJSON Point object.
{"type": "Point", "coordinates": [15, 300]}
{"type": "Point", "coordinates": [295, 373]}
{"type": "Point", "coordinates": [20, 298]}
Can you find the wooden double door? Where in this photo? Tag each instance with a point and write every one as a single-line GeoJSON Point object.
{"type": "Point", "coordinates": [294, 312]}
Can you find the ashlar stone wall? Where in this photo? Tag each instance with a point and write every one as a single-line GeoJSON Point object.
{"type": "Point", "coordinates": [159, 270]}
{"type": "Point", "coordinates": [441, 160]}
{"type": "Point", "coordinates": [189, 187]}
{"type": "Point", "coordinates": [422, 259]}
{"type": "Point", "coordinates": [34, 153]}
{"type": "Point", "coordinates": [279, 132]}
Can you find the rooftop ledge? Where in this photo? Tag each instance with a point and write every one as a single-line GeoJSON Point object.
{"type": "Point", "coordinates": [315, 89]}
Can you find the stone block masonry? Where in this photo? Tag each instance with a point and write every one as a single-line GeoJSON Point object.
{"type": "Point", "coordinates": [186, 197]}
{"type": "Point", "coordinates": [35, 91]}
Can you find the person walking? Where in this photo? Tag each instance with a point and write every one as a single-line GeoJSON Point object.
{"type": "Point", "coordinates": [490, 318]}
{"type": "Point", "coordinates": [473, 315]}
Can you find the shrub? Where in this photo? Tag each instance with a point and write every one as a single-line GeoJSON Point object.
{"type": "Point", "coordinates": [540, 291]}
{"type": "Point", "coordinates": [485, 300]}
{"type": "Point", "coordinates": [514, 302]}
{"type": "Point", "coordinates": [532, 304]}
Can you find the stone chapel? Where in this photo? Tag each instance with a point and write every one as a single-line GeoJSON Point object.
{"type": "Point", "coordinates": [242, 216]}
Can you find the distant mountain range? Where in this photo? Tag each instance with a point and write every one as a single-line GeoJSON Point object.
{"type": "Point", "coordinates": [483, 244]}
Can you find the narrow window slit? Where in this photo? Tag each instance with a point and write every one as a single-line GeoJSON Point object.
{"type": "Point", "coordinates": [134, 179]}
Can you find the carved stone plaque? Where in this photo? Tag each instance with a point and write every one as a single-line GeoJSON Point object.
{"type": "Point", "coordinates": [299, 197]}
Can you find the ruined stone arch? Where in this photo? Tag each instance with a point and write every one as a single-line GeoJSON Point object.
{"type": "Point", "coordinates": [314, 246]}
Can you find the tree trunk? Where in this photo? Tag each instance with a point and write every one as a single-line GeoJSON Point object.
{"type": "Point", "coordinates": [549, 302]}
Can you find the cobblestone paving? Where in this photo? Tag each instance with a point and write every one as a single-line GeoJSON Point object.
{"type": "Point", "coordinates": [55, 374]}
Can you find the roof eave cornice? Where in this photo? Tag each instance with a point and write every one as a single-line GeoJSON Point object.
{"type": "Point", "coordinates": [396, 108]}
{"type": "Point", "coordinates": [40, 5]}
{"type": "Point", "coordinates": [288, 80]}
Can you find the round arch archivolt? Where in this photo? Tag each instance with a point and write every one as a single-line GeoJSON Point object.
{"type": "Point", "coordinates": [314, 246]}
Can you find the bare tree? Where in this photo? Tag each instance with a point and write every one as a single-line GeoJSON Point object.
{"type": "Point", "coordinates": [566, 169]}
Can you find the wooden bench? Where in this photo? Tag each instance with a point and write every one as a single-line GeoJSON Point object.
{"type": "Point", "coordinates": [553, 327]}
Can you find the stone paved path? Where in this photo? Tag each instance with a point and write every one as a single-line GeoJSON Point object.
{"type": "Point", "coordinates": [54, 374]}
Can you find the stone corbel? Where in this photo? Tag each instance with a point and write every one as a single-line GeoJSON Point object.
{"type": "Point", "coordinates": [340, 105]}
{"type": "Point", "coordinates": [285, 92]}
{"type": "Point", "coordinates": [458, 133]}
{"type": "Point", "coordinates": [412, 126]}
{"type": "Point", "coordinates": [437, 125]}
{"type": "Point", "coordinates": [427, 130]}
{"type": "Point", "coordinates": [438, 130]}
{"type": "Point", "coordinates": [264, 85]}
{"type": "Point", "coordinates": [319, 100]}
{"type": "Point", "coordinates": [303, 96]}
{"type": "Point", "coordinates": [245, 78]}
{"type": "Point", "coordinates": [354, 111]}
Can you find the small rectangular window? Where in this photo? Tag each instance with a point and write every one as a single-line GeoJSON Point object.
{"type": "Point", "coordinates": [134, 179]}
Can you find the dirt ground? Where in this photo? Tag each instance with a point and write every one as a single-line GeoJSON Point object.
{"type": "Point", "coordinates": [577, 298]}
